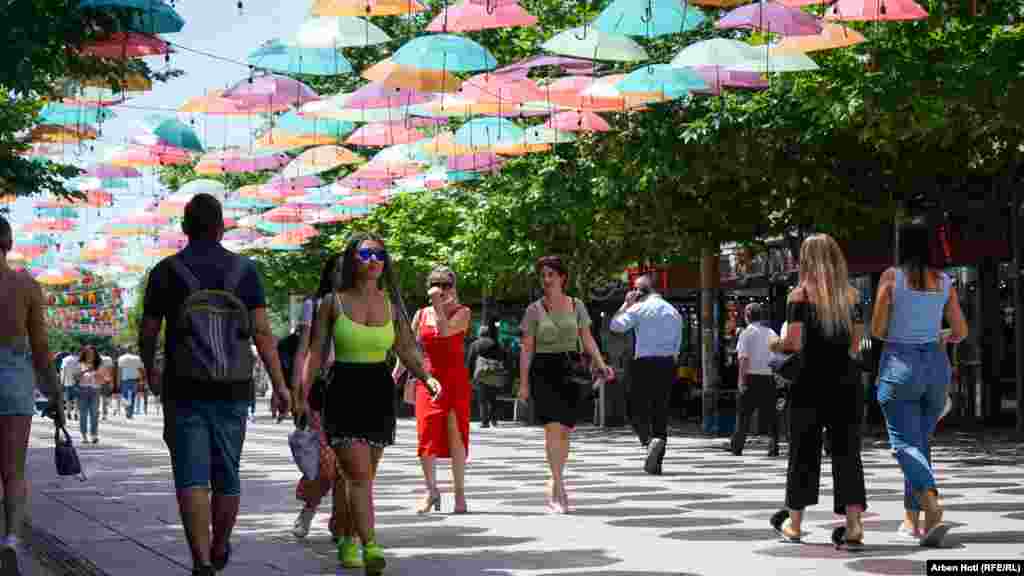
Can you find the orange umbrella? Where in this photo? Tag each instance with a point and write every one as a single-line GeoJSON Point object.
{"type": "Point", "coordinates": [8, 199]}
{"type": "Point", "coordinates": [49, 225]}
{"type": "Point", "coordinates": [131, 82]}
{"type": "Point", "coordinates": [216, 104]}
{"type": "Point", "coordinates": [832, 36]}
{"type": "Point", "coordinates": [55, 134]}
{"type": "Point", "coordinates": [424, 80]}
{"type": "Point", "coordinates": [366, 7]}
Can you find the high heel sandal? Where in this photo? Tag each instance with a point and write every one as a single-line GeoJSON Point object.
{"type": "Point", "coordinates": [464, 509]}
{"type": "Point", "coordinates": [433, 500]}
{"type": "Point", "coordinates": [778, 522]}
{"type": "Point", "coordinates": [563, 502]}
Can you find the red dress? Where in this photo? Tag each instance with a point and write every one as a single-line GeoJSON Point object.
{"type": "Point", "coordinates": [446, 362]}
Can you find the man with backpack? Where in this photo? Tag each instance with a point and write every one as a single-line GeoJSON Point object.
{"type": "Point", "coordinates": [486, 362]}
{"type": "Point", "coordinates": [214, 305]}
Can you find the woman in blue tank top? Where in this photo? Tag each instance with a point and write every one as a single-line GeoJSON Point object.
{"type": "Point", "coordinates": [914, 371]}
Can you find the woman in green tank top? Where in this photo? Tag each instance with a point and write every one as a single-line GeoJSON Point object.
{"type": "Point", "coordinates": [366, 319]}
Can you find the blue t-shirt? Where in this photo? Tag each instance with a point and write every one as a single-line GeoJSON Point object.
{"type": "Point", "coordinates": [166, 293]}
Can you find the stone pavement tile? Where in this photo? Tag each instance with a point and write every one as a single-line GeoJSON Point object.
{"type": "Point", "coordinates": [72, 527]}
{"type": "Point", "coordinates": [127, 558]}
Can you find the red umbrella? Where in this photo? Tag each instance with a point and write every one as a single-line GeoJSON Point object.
{"type": "Point", "coordinates": [123, 45]}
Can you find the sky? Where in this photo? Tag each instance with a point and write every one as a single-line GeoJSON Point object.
{"type": "Point", "coordinates": [211, 26]}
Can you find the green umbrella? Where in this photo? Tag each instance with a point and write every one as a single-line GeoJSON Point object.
{"type": "Point", "coordinates": [173, 132]}
{"type": "Point", "coordinates": [69, 115]}
{"type": "Point", "coordinates": [649, 19]}
{"type": "Point", "coordinates": [148, 16]}
{"type": "Point", "coordinates": [585, 42]}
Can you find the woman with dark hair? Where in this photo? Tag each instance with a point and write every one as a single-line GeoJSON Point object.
{"type": "Point", "coordinates": [24, 356]}
{"type": "Point", "coordinates": [365, 316]}
{"type": "Point", "coordinates": [442, 422]}
{"type": "Point", "coordinates": [485, 361]}
{"type": "Point", "coordinates": [552, 330]}
{"type": "Point", "coordinates": [914, 371]}
{"type": "Point", "coordinates": [90, 379]}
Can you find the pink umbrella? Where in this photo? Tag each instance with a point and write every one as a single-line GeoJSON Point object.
{"type": "Point", "coordinates": [377, 95]}
{"type": "Point", "coordinates": [371, 184]}
{"type": "Point", "coordinates": [363, 200]}
{"type": "Point", "coordinates": [772, 17]}
{"type": "Point", "coordinates": [501, 88]}
{"type": "Point", "coordinates": [494, 3]}
{"type": "Point", "coordinates": [386, 172]}
{"type": "Point", "coordinates": [801, 3]}
{"type": "Point", "coordinates": [479, 162]}
{"type": "Point", "coordinates": [382, 134]}
{"type": "Point", "coordinates": [578, 121]}
{"type": "Point", "coordinates": [288, 214]}
{"type": "Point", "coordinates": [717, 77]}
{"type": "Point", "coordinates": [123, 45]}
{"type": "Point", "coordinates": [300, 183]}
{"type": "Point", "coordinates": [111, 171]}
{"type": "Point", "coordinates": [236, 161]}
{"type": "Point", "coordinates": [469, 15]}
{"type": "Point", "coordinates": [874, 10]}
{"type": "Point", "coordinates": [270, 89]}
{"type": "Point", "coordinates": [145, 219]}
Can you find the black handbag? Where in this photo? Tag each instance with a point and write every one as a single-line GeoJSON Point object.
{"type": "Point", "coordinates": [65, 456]}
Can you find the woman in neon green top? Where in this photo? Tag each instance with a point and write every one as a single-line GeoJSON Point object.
{"type": "Point", "coordinates": [366, 319]}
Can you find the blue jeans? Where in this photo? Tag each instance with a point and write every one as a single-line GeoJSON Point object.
{"type": "Point", "coordinates": [128, 388]}
{"type": "Point", "coordinates": [89, 410]}
{"type": "Point", "coordinates": [17, 380]}
{"type": "Point", "coordinates": [912, 383]}
{"type": "Point", "coordinates": [207, 444]}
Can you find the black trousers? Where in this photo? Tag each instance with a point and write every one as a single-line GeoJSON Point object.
{"type": "Point", "coordinates": [840, 414]}
{"type": "Point", "coordinates": [759, 395]}
{"type": "Point", "coordinates": [649, 394]}
{"type": "Point", "coordinates": [487, 400]}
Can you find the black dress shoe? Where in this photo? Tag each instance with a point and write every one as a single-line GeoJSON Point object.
{"type": "Point", "coordinates": [204, 571]}
{"type": "Point", "coordinates": [220, 562]}
{"type": "Point", "coordinates": [655, 454]}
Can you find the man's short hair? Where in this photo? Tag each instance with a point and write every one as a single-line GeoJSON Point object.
{"type": "Point", "coordinates": [6, 235]}
{"type": "Point", "coordinates": [204, 218]}
{"type": "Point", "coordinates": [754, 311]}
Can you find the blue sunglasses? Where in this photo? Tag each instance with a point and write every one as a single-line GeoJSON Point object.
{"type": "Point", "coordinates": [366, 254]}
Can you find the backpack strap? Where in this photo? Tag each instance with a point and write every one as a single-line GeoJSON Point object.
{"type": "Point", "coordinates": [234, 277]}
{"type": "Point", "coordinates": [179, 266]}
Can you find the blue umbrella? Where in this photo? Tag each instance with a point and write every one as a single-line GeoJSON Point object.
{"type": "Point", "coordinates": [248, 204]}
{"type": "Point", "coordinates": [648, 19]}
{"type": "Point", "coordinates": [150, 17]}
{"type": "Point", "coordinates": [68, 115]}
{"type": "Point", "coordinates": [662, 79]}
{"type": "Point", "coordinates": [174, 132]}
{"type": "Point", "coordinates": [444, 52]}
{"type": "Point", "coordinates": [488, 132]}
{"type": "Point", "coordinates": [279, 57]}
{"type": "Point", "coordinates": [292, 122]}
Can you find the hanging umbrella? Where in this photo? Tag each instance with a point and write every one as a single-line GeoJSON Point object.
{"type": "Point", "coordinates": [217, 105]}
{"type": "Point", "coordinates": [425, 80]}
{"type": "Point", "coordinates": [149, 16]}
{"type": "Point", "coordinates": [278, 57]}
{"type": "Point", "coordinates": [334, 109]}
{"type": "Point", "coordinates": [771, 17]}
{"type": "Point", "coordinates": [716, 52]}
{"type": "Point", "coordinates": [338, 32]}
{"type": "Point", "coordinates": [648, 19]}
{"type": "Point", "coordinates": [269, 88]}
{"type": "Point", "coordinates": [585, 42]}
{"type": "Point", "coordinates": [123, 45]}
{"type": "Point", "coordinates": [477, 162]}
{"type": "Point", "coordinates": [370, 184]}
{"type": "Point", "coordinates": [467, 16]}
{"type": "Point", "coordinates": [386, 171]}
{"type": "Point", "coordinates": [58, 134]}
{"type": "Point", "coordinates": [289, 215]}
{"type": "Point", "coordinates": [875, 10]}
{"type": "Point", "coordinates": [366, 7]}
{"type": "Point", "coordinates": [173, 132]}
{"type": "Point", "coordinates": [578, 121]}
{"type": "Point", "coordinates": [500, 88]}
{"type": "Point", "coordinates": [832, 36]}
{"type": "Point", "coordinates": [797, 62]}
{"type": "Point", "coordinates": [137, 155]}
{"type": "Point", "coordinates": [248, 204]}
{"type": "Point", "coordinates": [202, 186]}
{"type": "Point", "coordinates": [483, 133]}
{"type": "Point", "coordinates": [380, 134]}
{"type": "Point", "coordinates": [43, 225]}
{"type": "Point", "coordinates": [319, 159]}
{"type": "Point", "coordinates": [459, 106]}
{"type": "Point", "coordinates": [311, 124]}
{"type": "Point", "coordinates": [68, 115]}
{"type": "Point", "coordinates": [278, 139]}
{"type": "Point", "coordinates": [376, 95]}
{"type": "Point", "coordinates": [661, 79]}
{"type": "Point", "coordinates": [56, 212]}
{"type": "Point", "coordinates": [444, 52]}
{"type": "Point", "coordinates": [60, 276]}
{"type": "Point", "coordinates": [364, 200]}
{"type": "Point", "coordinates": [111, 171]}
{"type": "Point", "coordinates": [233, 161]}
{"type": "Point", "coordinates": [802, 3]}
{"type": "Point", "coordinates": [717, 3]}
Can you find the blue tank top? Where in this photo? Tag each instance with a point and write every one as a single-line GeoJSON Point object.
{"type": "Point", "coordinates": [916, 316]}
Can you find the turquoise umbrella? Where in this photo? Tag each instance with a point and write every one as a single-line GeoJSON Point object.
{"type": "Point", "coordinates": [488, 132]}
{"type": "Point", "coordinates": [68, 115]}
{"type": "Point", "coordinates": [648, 19]}
{"type": "Point", "coordinates": [444, 52]}
{"type": "Point", "coordinates": [292, 122]}
{"type": "Point", "coordinates": [114, 183]}
{"type": "Point", "coordinates": [59, 212]}
{"type": "Point", "coordinates": [248, 204]}
{"type": "Point", "coordinates": [174, 132]}
{"type": "Point", "coordinates": [149, 16]}
{"type": "Point", "coordinates": [279, 57]}
{"type": "Point", "coordinates": [778, 63]}
{"type": "Point", "coordinates": [662, 79]}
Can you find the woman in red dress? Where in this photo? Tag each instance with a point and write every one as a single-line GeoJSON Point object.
{"type": "Point", "coordinates": [442, 424]}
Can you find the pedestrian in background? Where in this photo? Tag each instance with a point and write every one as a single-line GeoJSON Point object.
{"type": "Point", "coordinates": [485, 361]}
{"type": "Point", "coordinates": [756, 385]}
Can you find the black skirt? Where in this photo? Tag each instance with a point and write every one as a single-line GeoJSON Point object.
{"type": "Point", "coordinates": [360, 405]}
{"type": "Point", "coordinates": [555, 395]}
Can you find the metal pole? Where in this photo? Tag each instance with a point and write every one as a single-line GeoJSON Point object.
{"type": "Point", "coordinates": [1018, 325]}
{"type": "Point", "coordinates": [709, 369]}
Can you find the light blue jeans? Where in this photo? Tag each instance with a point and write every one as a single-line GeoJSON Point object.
{"type": "Point", "coordinates": [89, 410]}
{"type": "Point", "coordinates": [128, 388]}
{"type": "Point", "coordinates": [912, 383]}
{"type": "Point", "coordinates": [17, 379]}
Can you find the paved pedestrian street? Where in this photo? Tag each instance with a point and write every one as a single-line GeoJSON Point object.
{"type": "Point", "coordinates": [707, 515]}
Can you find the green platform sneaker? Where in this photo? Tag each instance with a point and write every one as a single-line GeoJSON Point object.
{"type": "Point", "coordinates": [373, 558]}
{"type": "Point", "coordinates": [349, 554]}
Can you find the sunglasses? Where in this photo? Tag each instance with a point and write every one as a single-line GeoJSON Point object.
{"type": "Point", "coordinates": [367, 254]}
{"type": "Point", "coordinates": [442, 285]}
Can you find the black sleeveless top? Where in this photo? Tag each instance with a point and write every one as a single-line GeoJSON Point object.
{"type": "Point", "coordinates": [828, 368]}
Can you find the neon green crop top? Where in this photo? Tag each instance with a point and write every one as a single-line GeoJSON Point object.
{"type": "Point", "coordinates": [359, 343]}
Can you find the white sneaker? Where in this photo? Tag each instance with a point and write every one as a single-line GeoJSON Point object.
{"type": "Point", "coordinates": [948, 407]}
{"type": "Point", "coordinates": [908, 534]}
{"type": "Point", "coordinates": [303, 522]}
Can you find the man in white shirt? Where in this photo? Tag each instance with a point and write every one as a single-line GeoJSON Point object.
{"type": "Point", "coordinates": [129, 370]}
{"type": "Point", "coordinates": [69, 369]}
{"type": "Point", "coordinates": [658, 334]}
{"type": "Point", "coordinates": [756, 385]}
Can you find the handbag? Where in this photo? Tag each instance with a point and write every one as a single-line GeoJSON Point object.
{"type": "Point", "coordinates": [318, 391]}
{"type": "Point", "coordinates": [305, 447]}
{"type": "Point", "coordinates": [65, 456]}
{"type": "Point", "coordinates": [402, 376]}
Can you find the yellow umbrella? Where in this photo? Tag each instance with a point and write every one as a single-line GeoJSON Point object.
{"type": "Point", "coordinates": [131, 82]}
{"type": "Point", "coordinates": [519, 148]}
{"type": "Point", "coordinates": [215, 104]}
{"type": "Point", "coordinates": [423, 80]}
{"type": "Point", "coordinates": [279, 139]}
{"type": "Point", "coordinates": [8, 199]}
{"type": "Point", "coordinates": [55, 134]}
{"type": "Point", "coordinates": [366, 7]}
{"type": "Point", "coordinates": [455, 106]}
{"type": "Point", "coordinates": [832, 36]}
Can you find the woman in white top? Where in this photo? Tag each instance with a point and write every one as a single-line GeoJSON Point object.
{"type": "Point", "coordinates": [90, 378]}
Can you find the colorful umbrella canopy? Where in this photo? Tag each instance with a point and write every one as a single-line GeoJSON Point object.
{"type": "Point", "coordinates": [235, 161]}
{"type": "Point", "coordinates": [366, 7]}
{"type": "Point", "coordinates": [483, 133]}
{"type": "Point", "coordinates": [338, 32]}
{"type": "Point", "coordinates": [832, 36]}
{"type": "Point", "coordinates": [138, 155]}
{"type": "Point", "coordinates": [173, 132]}
{"type": "Point", "coordinates": [149, 16]}
{"type": "Point", "coordinates": [661, 79]}
{"type": "Point", "coordinates": [311, 124]}
{"type": "Point", "coordinates": [875, 10]}
{"type": "Point", "coordinates": [797, 62]}
{"type": "Point", "coordinates": [59, 276]}
{"type": "Point", "coordinates": [382, 134]}
{"type": "Point", "coordinates": [425, 80]}
{"type": "Point", "coordinates": [49, 225]}
{"type": "Point", "coordinates": [478, 162]}
{"type": "Point", "coordinates": [216, 104]}
{"type": "Point", "coordinates": [771, 17]}
{"type": "Point", "coordinates": [278, 57]}
{"type": "Point", "coordinates": [202, 186]}
{"type": "Point", "coordinates": [278, 139]}
{"type": "Point", "coordinates": [717, 78]}
{"type": "Point", "coordinates": [495, 88]}
{"type": "Point", "coordinates": [376, 95]}
{"type": "Point", "coordinates": [467, 16]}
{"type": "Point", "coordinates": [270, 88]}
{"type": "Point", "coordinates": [585, 42]}
{"type": "Point", "coordinates": [444, 52]}
{"type": "Point", "coordinates": [716, 52]}
{"type": "Point", "coordinates": [319, 159]}
{"type": "Point", "coordinates": [125, 45]}
{"type": "Point", "coordinates": [290, 214]}
{"type": "Point", "coordinates": [69, 115]}
{"type": "Point", "coordinates": [364, 200]}
{"type": "Point", "coordinates": [648, 19]}
{"type": "Point", "coordinates": [111, 171]}
{"type": "Point", "coordinates": [58, 134]}
{"type": "Point", "coordinates": [578, 121]}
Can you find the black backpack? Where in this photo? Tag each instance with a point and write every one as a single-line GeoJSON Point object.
{"type": "Point", "coordinates": [286, 349]}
